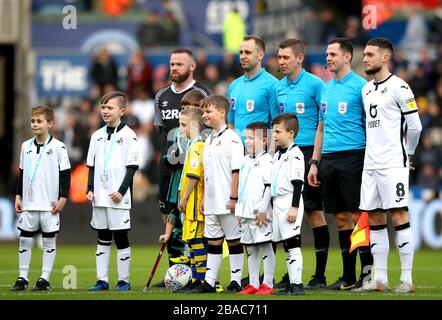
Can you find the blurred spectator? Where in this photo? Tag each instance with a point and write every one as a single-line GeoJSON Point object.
{"type": "Point", "coordinates": [229, 66]}
{"type": "Point", "coordinates": [312, 30]}
{"type": "Point", "coordinates": [415, 34]}
{"type": "Point", "coordinates": [330, 27]}
{"type": "Point", "coordinates": [139, 74]}
{"type": "Point", "coordinates": [104, 70]}
{"type": "Point", "coordinates": [143, 106]}
{"type": "Point", "coordinates": [211, 76]}
{"type": "Point", "coordinates": [419, 82]}
{"type": "Point", "coordinates": [354, 31]}
{"type": "Point", "coordinates": [201, 60]}
{"type": "Point", "coordinates": [175, 7]}
{"type": "Point", "coordinates": [149, 33]}
{"type": "Point", "coordinates": [436, 26]}
{"type": "Point", "coordinates": [234, 31]}
{"type": "Point", "coordinates": [116, 7]}
{"type": "Point", "coordinates": [75, 138]}
{"type": "Point", "coordinates": [171, 33]}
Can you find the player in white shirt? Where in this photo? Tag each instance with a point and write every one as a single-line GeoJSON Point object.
{"type": "Point", "coordinates": [42, 192]}
{"type": "Point", "coordinates": [112, 159]}
{"type": "Point", "coordinates": [254, 208]}
{"type": "Point", "coordinates": [286, 190]}
{"type": "Point", "coordinates": [223, 154]}
{"type": "Point", "coordinates": [393, 129]}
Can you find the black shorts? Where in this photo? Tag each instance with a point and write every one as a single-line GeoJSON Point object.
{"type": "Point", "coordinates": [165, 205]}
{"type": "Point", "coordinates": [340, 174]}
{"type": "Point", "coordinates": [312, 196]}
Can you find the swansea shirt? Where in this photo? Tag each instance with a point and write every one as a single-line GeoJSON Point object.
{"type": "Point", "coordinates": [288, 166]}
{"type": "Point", "coordinates": [301, 96]}
{"type": "Point", "coordinates": [251, 100]}
{"type": "Point", "coordinates": [386, 104]}
{"type": "Point", "coordinates": [223, 153]}
{"type": "Point", "coordinates": [343, 113]}
{"type": "Point", "coordinates": [167, 109]}
{"type": "Point", "coordinates": [194, 168]}
{"type": "Point", "coordinates": [46, 182]}
{"type": "Point", "coordinates": [255, 173]}
{"type": "Point", "coordinates": [110, 154]}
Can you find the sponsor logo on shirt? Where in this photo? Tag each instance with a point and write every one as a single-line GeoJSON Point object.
{"type": "Point", "coordinates": [300, 108]}
{"type": "Point", "coordinates": [342, 107]}
{"type": "Point", "coordinates": [250, 105]}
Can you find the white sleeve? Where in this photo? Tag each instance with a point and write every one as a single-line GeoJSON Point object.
{"type": "Point", "coordinates": [414, 128]}
{"type": "Point", "coordinates": [237, 153]}
{"type": "Point", "coordinates": [22, 154]}
{"type": "Point", "coordinates": [296, 167]}
{"type": "Point", "coordinates": [267, 170]}
{"type": "Point", "coordinates": [405, 98]}
{"type": "Point", "coordinates": [90, 160]}
{"type": "Point", "coordinates": [133, 156]}
{"type": "Point", "coordinates": [265, 201]}
{"type": "Point", "coordinates": [63, 158]}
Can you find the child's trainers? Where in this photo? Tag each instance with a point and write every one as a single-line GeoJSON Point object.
{"type": "Point", "coordinates": [249, 289]}
{"type": "Point", "coordinates": [405, 287]}
{"type": "Point", "coordinates": [20, 284]}
{"type": "Point", "coordinates": [265, 290]}
{"type": "Point", "coordinates": [100, 286]}
{"type": "Point", "coordinates": [42, 285]}
{"type": "Point", "coordinates": [122, 286]}
{"type": "Point", "coordinates": [180, 260]}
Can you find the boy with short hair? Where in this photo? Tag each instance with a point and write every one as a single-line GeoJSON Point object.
{"type": "Point", "coordinates": [113, 158]}
{"type": "Point", "coordinates": [254, 208]}
{"type": "Point", "coordinates": [286, 189]}
{"type": "Point", "coordinates": [223, 153]}
{"type": "Point", "coordinates": [191, 195]}
{"type": "Point", "coordinates": [42, 191]}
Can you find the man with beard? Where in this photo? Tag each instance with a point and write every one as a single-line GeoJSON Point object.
{"type": "Point", "coordinates": [341, 147]}
{"type": "Point", "coordinates": [250, 96]}
{"type": "Point", "coordinates": [393, 129]}
{"type": "Point", "coordinates": [167, 109]}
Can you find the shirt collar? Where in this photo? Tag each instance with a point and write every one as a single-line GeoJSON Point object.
{"type": "Point", "coordinates": [255, 76]}
{"type": "Point", "coordinates": [297, 79]}
{"type": "Point", "coordinates": [172, 86]}
{"type": "Point", "coordinates": [344, 79]}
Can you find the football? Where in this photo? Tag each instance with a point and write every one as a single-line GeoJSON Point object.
{"type": "Point", "coordinates": [177, 276]}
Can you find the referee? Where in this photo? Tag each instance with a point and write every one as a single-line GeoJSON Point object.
{"type": "Point", "coordinates": [342, 147]}
{"type": "Point", "coordinates": [299, 93]}
{"type": "Point", "coordinates": [167, 108]}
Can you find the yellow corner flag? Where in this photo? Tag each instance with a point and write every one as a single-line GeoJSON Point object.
{"type": "Point", "coordinates": [225, 249]}
{"type": "Point", "coordinates": [361, 233]}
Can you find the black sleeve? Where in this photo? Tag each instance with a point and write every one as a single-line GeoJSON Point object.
{"type": "Point", "coordinates": [297, 188]}
{"type": "Point", "coordinates": [19, 191]}
{"type": "Point", "coordinates": [127, 181]}
{"type": "Point", "coordinates": [65, 183]}
{"type": "Point", "coordinates": [90, 179]}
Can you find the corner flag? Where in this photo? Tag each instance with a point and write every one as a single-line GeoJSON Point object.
{"type": "Point", "coordinates": [361, 233]}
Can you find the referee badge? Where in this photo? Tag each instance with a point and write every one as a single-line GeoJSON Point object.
{"type": "Point", "coordinates": [342, 108]}
{"type": "Point", "coordinates": [250, 105]}
{"type": "Point", "coordinates": [324, 107]}
{"type": "Point", "coordinates": [281, 107]}
{"type": "Point", "coordinates": [232, 103]}
{"type": "Point", "coordinates": [300, 109]}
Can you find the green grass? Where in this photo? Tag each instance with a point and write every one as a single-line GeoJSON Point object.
{"type": "Point", "coordinates": [427, 276]}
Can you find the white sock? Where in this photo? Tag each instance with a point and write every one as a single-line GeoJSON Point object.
{"type": "Point", "coordinates": [49, 253]}
{"type": "Point", "coordinates": [268, 260]}
{"type": "Point", "coordinates": [406, 253]}
{"type": "Point", "coordinates": [213, 265]}
{"type": "Point", "coordinates": [295, 265]}
{"type": "Point", "coordinates": [380, 247]}
{"type": "Point", "coordinates": [253, 264]}
{"type": "Point", "coordinates": [236, 267]}
{"type": "Point", "coordinates": [102, 261]}
{"type": "Point", "coordinates": [123, 264]}
{"type": "Point", "coordinates": [24, 255]}
{"type": "Point", "coordinates": [287, 262]}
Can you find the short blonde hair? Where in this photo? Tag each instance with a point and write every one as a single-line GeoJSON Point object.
{"type": "Point", "coordinates": [195, 114]}
{"type": "Point", "coordinates": [46, 111]}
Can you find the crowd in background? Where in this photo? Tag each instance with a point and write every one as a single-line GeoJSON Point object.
{"type": "Point", "coordinates": [420, 66]}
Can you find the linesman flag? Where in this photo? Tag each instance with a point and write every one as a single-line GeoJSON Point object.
{"type": "Point", "coordinates": [361, 233]}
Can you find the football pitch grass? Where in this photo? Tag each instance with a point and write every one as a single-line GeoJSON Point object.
{"type": "Point", "coordinates": [427, 275]}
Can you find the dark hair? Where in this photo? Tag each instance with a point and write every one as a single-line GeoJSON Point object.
{"type": "Point", "coordinates": [288, 120]}
{"type": "Point", "coordinates": [260, 127]}
{"type": "Point", "coordinates": [192, 98]}
{"type": "Point", "coordinates": [344, 44]}
{"type": "Point", "coordinates": [184, 50]}
{"type": "Point", "coordinates": [296, 45]}
{"type": "Point", "coordinates": [382, 43]}
{"type": "Point", "coordinates": [46, 111]}
{"type": "Point", "coordinates": [258, 42]}
{"type": "Point", "coordinates": [218, 101]}
{"type": "Point", "coordinates": [115, 94]}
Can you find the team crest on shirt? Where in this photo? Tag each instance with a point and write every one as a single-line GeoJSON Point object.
{"type": "Point", "coordinates": [342, 107]}
{"type": "Point", "coordinates": [300, 108]}
{"type": "Point", "coordinates": [194, 163]}
{"type": "Point", "coordinates": [250, 105]}
{"type": "Point", "coordinates": [120, 141]}
{"type": "Point", "coordinates": [232, 103]}
{"type": "Point", "coordinates": [324, 107]}
{"type": "Point", "coordinates": [281, 107]}
{"type": "Point", "coordinates": [49, 152]}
